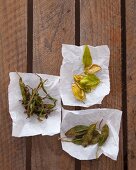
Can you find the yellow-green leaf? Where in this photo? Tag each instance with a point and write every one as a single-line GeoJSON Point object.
{"type": "Point", "coordinates": [87, 59]}
{"type": "Point", "coordinates": [78, 77]}
{"type": "Point", "coordinates": [92, 69]}
{"type": "Point", "coordinates": [89, 82]}
{"type": "Point", "coordinates": [78, 92]}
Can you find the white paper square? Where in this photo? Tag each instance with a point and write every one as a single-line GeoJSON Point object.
{"type": "Point", "coordinates": [112, 117]}
{"type": "Point", "coordinates": [72, 64]}
{"type": "Point", "coordinates": [32, 126]}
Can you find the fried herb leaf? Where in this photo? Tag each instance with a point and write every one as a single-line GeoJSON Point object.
{"type": "Point", "coordinates": [76, 131]}
{"type": "Point", "coordinates": [104, 135]}
{"type": "Point", "coordinates": [87, 59]}
{"type": "Point", "coordinates": [89, 135]}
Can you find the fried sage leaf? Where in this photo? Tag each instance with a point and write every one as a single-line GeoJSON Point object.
{"type": "Point", "coordinates": [89, 82]}
{"type": "Point", "coordinates": [92, 69]}
{"type": "Point", "coordinates": [76, 131]}
{"type": "Point", "coordinates": [95, 137]}
{"type": "Point", "coordinates": [77, 141]}
{"type": "Point", "coordinates": [87, 59]}
{"type": "Point", "coordinates": [104, 135]}
{"type": "Point", "coordinates": [78, 92]}
{"type": "Point", "coordinates": [87, 138]}
{"type": "Point", "coordinates": [24, 91]}
{"type": "Point", "coordinates": [78, 77]}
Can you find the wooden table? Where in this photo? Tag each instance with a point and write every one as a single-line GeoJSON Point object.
{"type": "Point", "coordinates": [31, 34]}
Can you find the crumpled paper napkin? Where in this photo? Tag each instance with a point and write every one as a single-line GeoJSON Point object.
{"type": "Point", "coordinates": [72, 64]}
{"type": "Point", "coordinates": [112, 117]}
{"type": "Point", "coordinates": [22, 126]}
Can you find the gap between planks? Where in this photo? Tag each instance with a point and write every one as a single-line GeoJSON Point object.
{"type": "Point", "coordinates": [77, 42]}
{"type": "Point", "coordinates": [29, 69]}
{"type": "Point", "coordinates": [124, 82]}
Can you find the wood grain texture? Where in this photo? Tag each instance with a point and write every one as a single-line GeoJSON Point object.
{"type": "Point", "coordinates": [131, 81]}
{"type": "Point", "coordinates": [12, 56]}
{"type": "Point", "coordinates": [53, 25]}
{"type": "Point", "coordinates": [101, 24]}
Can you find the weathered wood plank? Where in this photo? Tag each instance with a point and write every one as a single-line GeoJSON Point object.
{"type": "Point", "coordinates": [53, 25]}
{"type": "Point", "coordinates": [131, 81]}
{"type": "Point", "coordinates": [12, 56]}
{"type": "Point", "coordinates": [101, 24]}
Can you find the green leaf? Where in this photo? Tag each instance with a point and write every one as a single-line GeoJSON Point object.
{"type": "Point", "coordinates": [89, 82]}
{"type": "Point", "coordinates": [95, 138]}
{"type": "Point", "coordinates": [87, 59]}
{"type": "Point", "coordinates": [88, 136]}
{"type": "Point", "coordinates": [77, 141]}
{"type": "Point", "coordinates": [104, 135]}
{"type": "Point", "coordinates": [76, 131]}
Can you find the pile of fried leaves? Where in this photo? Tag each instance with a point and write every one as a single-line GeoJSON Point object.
{"type": "Point", "coordinates": [87, 81]}
{"type": "Point", "coordinates": [87, 135]}
{"type": "Point", "coordinates": [33, 102]}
